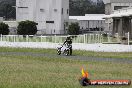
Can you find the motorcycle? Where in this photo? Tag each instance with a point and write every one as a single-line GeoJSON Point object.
{"type": "Point", "coordinates": [64, 49]}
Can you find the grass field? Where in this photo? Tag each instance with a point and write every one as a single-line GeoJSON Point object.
{"type": "Point", "coordinates": [127, 55]}
{"type": "Point", "coordinates": [42, 72]}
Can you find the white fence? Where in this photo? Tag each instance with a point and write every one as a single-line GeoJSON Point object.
{"type": "Point", "coordinates": [86, 38]}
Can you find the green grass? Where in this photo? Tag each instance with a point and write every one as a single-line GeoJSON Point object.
{"type": "Point", "coordinates": [6, 49]}
{"type": "Point", "coordinates": [120, 55]}
{"type": "Point", "coordinates": [41, 72]}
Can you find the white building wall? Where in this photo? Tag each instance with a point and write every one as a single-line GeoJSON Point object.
{"type": "Point", "coordinates": [65, 15]}
{"type": "Point", "coordinates": [91, 24]}
{"type": "Point", "coordinates": [111, 4]}
{"type": "Point", "coordinates": [1, 19]}
{"type": "Point", "coordinates": [47, 13]}
{"type": "Point", "coordinates": [120, 4]}
{"type": "Point", "coordinates": [25, 10]}
{"type": "Point", "coordinates": [89, 21]}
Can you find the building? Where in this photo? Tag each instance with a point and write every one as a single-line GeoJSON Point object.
{"type": "Point", "coordinates": [111, 5]}
{"type": "Point", "coordinates": [121, 21]}
{"type": "Point", "coordinates": [89, 22]}
{"type": "Point", "coordinates": [1, 19]}
{"type": "Point", "coordinates": [118, 17]}
{"type": "Point", "coordinates": [51, 15]}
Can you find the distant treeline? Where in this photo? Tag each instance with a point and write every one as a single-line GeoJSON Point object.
{"type": "Point", "coordinates": [7, 10]}
{"type": "Point", "coordinates": [77, 7]}
{"type": "Point", "coordinates": [82, 7]}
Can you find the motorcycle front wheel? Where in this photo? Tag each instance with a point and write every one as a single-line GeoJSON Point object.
{"type": "Point", "coordinates": [58, 52]}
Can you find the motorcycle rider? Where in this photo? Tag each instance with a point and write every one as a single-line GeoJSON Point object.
{"type": "Point", "coordinates": [68, 41]}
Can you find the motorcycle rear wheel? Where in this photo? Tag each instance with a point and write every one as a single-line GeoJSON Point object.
{"type": "Point", "coordinates": [66, 52]}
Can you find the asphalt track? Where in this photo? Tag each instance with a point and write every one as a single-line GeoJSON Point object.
{"type": "Point", "coordinates": [74, 57]}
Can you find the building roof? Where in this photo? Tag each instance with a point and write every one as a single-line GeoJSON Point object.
{"type": "Point", "coordinates": [127, 14]}
{"type": "Point", "coordinates": [117, 1]}
{"type": "Point", "coordinates": [88, 17]}
{"type": "Point", "coordinates": [120, 13]}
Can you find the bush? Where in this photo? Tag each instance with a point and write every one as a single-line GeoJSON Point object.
{"type": "Point", "coordinates": [73, 29]}
{"type": "Point", "coordinates": [4, 29]}
{"type": "Point", "coordinates": [105, 35]}
{"type": "Point", "coordinates": [123, 38]}
{"type": "Point", "coordinates": [27, 28]}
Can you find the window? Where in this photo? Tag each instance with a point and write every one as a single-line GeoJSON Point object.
{"type": "Point", "coordinates": [49, 21]}
{"type": "Point", "coordinates": [23, 10]}
{"type": "Point", "coordinates": [55, 10]}
{"type": "Point", "coordinates": [62, 11]}
{"type": "Point", "coordinates": [41, 10]}
{"type": "Point", "coordinates": [22, 7]}
{"type": "Point", "coordinates": [67, 11]}
{"type": "Point", "coordinates": [119, 7]}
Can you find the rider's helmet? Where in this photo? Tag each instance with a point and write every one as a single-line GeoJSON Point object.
{"type": "Point", "coordinates": [68, 38]}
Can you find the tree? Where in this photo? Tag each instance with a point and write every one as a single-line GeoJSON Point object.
{"type": "Point", "coordinates": [27, 28]}
{"type": "Point", "coordinates": [82, 7]}
{"type": "Point", "coordinates": [73, 29]}
{"type": "Point", "coordinates": [100, 7]}
{"type": "Point", "coordinates": [4, 29]}
{"type": "Point", "coordinates": [6, 9]}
